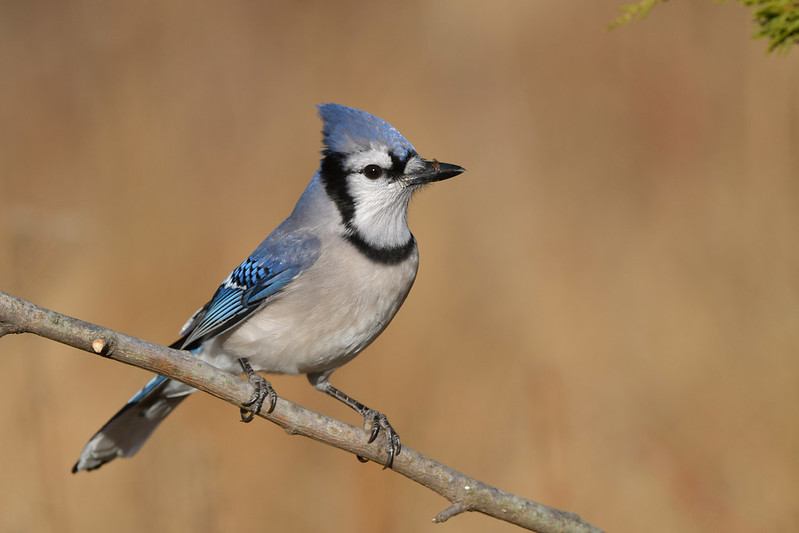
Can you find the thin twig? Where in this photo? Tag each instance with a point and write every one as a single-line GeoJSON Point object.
{"type": "Point", "coordinates": [465, 493]}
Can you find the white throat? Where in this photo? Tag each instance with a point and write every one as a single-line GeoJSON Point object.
{"type": "Point", "coordinates": [382, 220]}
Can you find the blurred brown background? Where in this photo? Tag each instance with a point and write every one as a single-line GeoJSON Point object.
{"type": "Point", "coordinates": [605, 319]}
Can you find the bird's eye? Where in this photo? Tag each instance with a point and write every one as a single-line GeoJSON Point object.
{"type": "Point", "coordinates": [372, 172]}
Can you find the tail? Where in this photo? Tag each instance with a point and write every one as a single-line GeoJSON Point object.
{"type": "Point", "coordinates": [124, 434]}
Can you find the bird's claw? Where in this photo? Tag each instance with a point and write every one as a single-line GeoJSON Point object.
{"type": "Point", "coordinates": [263, 389]}
{"type": "Point", "coordinates": [379, 421]}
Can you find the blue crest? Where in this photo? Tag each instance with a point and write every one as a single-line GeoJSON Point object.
{"type": "Point", "coordinates": [349, 130]}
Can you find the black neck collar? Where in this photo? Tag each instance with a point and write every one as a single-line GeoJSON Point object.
{"type": "Point", "coordinates": [389, 255]}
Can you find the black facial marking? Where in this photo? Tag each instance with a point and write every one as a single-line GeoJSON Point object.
{"type": "Point", "coordinates": [334, 177]}
{"type": "Point", "coordinates": [398, 165]}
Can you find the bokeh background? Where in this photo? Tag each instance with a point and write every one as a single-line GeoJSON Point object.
{"type": "Point", "coordinates": [606, 318]}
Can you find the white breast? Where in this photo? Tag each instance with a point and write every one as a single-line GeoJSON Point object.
{"type": "Point", "coordinates": [322, 319]}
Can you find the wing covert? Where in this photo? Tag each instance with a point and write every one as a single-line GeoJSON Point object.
{"type": "Point", "coordinates": [273, 265]}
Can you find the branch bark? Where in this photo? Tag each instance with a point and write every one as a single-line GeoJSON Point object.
{"type": "Point", "coordinates": [464, 493]}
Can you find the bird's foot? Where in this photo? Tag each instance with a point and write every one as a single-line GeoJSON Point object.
{"type": "Point", "coordinates": [263, 389]}
{"type": "Point", "coordinates": [374, 421]}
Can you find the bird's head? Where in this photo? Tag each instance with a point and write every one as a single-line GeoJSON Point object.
{"type": "Point", "coordinates": [370, 171]}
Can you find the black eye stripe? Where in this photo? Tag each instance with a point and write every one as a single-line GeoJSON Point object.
{"type": "Point", "coordinates": [398, 165]}
{"type": "Point", "coordinates": [395, 171]}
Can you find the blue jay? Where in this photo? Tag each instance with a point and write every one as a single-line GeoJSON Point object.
{"type": "Point", "coordinates": [321, 287]}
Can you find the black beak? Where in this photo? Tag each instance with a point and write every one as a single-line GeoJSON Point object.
{"type": "Point", "coordinates": [434, 171]}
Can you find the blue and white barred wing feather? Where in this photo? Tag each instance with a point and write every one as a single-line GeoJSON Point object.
{"type": "Point", "coordinates": [251, 285]}
{"type": "Point", "coordinates": [247, 287]}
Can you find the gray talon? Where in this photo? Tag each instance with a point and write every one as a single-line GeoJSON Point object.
{"type": "Point", "coordinates": [393, 446]}
{"type": "Point", "coordinates": [262, 389]}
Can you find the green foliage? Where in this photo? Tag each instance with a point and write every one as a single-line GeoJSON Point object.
{"type": "Point", "coordinates": [638, 11]}
{"type": "Point", "coordinates": [777, 20]}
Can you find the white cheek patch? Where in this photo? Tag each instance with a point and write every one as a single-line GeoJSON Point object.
{"type": "Point", "coordinates": [380, 210]}
{"type": "Point", "coordinates": [359, 160]}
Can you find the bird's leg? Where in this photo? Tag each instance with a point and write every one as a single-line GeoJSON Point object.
{"type": "Point", "coordinates": [372, 420]}
{"type": "Point", "coordinates": [262, 389]}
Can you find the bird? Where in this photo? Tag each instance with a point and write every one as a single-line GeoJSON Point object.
{"type": "Point", "coordinates": [314, 294]}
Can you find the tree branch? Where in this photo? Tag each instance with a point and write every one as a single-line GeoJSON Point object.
{"type": "Point", "coordinates": [465, 493]}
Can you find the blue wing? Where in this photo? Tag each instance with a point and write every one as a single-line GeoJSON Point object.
{"type": "Point", "coordinates": [270, 268]}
